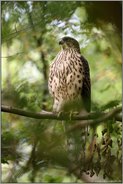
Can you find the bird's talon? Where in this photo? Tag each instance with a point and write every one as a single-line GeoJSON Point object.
{"type": "Point", "coordinates": [59, 114]}
{"type": "Point", "coordinates": [73, 114]}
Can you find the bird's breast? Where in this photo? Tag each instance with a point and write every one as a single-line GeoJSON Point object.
{"type": "Point", "coordinates": [67, 76]}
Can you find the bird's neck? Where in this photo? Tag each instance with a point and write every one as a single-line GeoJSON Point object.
{"type": "Point", "coordinates": [71, 50]}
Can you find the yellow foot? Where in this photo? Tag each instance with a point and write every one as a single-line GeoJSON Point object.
{"type": "Point", "coordinates": [73, 114]}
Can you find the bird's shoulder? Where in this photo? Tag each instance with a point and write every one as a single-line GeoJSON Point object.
{"type": "Point", "coordinates": [85, 64]}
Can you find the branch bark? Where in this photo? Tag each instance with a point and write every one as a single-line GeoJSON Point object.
{"type": "Point", "coordinates": [112, 114]}
{"type": "Point", "coordinates": [95, 117]}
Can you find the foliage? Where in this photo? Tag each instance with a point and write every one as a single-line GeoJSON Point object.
{"type": "Point", "coordinates": [34, 150]}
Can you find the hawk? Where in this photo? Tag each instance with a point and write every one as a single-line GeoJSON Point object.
{"type": "Point", "coordinates": [69, 78]}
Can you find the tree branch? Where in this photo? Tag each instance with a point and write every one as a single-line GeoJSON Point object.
{"type": "Point", "coordinates": [112, 114]}
{"type": "Point", "coordinates": [95, 117]}
{"type": "Point", "coordinates": [89, 119]}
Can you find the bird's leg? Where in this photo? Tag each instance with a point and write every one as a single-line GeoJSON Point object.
{"type": "Point", "coordinates": [59, 113]}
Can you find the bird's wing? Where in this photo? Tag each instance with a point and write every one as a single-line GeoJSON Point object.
{"type": "Point", "coordinates": [86, 88]}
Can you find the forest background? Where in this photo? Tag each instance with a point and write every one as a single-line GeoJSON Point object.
{"type": "Point", "coordinates": [32, 149]}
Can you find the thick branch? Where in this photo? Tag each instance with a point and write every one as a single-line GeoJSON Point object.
{"type": "Point", "coordinates": [91, 117]}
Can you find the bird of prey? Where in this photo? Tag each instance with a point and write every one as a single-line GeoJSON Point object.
{"type": "Point", "coordinates": [69, 78]}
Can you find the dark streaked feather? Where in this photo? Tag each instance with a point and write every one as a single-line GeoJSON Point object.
{"type": "Point", "coordinates": [86, 88]}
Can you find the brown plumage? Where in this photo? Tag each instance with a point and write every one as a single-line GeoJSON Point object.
{"type": "Point", "coordinates": [69, 78]}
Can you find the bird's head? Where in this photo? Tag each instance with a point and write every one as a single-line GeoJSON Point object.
{"type": "Point", "coordinates": [69, 43]}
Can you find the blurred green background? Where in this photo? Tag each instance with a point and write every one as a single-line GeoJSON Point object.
{"type": "Point", "coordinates": [32, 149]}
